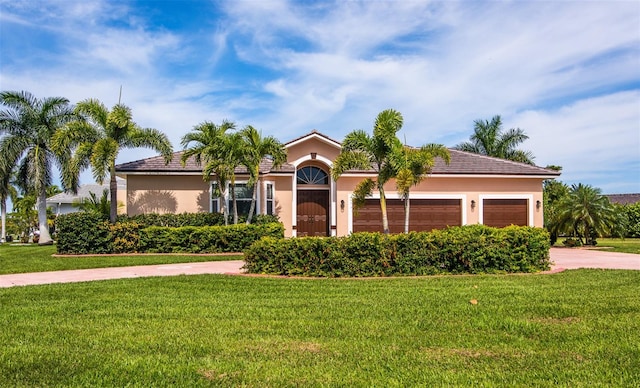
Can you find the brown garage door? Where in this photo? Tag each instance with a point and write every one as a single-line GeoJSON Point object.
{"type": "Point", "coordinates": [504, 212]}
{"type": "Point", "coordinates": [425, 214]}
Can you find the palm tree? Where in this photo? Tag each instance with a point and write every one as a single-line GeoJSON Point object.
{"type": "Point", "coordinates": [256, 148]}
{"type": "Point", "coordinates": [412, 166]}
{"type": "Point", "coordinates": [361, 151]}
{"type": "Point", "coordinates": [553, 192]}
{"type": "Point", "coordinates": [24, 215]}
{"type": "Point", "coordinates": [30, 126]}
{"type": "Point", "coordinates": [101, 135]}
{"type": "Point", "coordinates": [585, 212]}
{"type": "Point", "coordinates": [235, 149]}
{"type": "Point", "coordinates": [210, 143]}
{"type": "Point", "coordinates": [93, 204]}
{"type": "Point", "coordinates": [489, 139]}
{"type": "Point", "coordinates": [7, 190]}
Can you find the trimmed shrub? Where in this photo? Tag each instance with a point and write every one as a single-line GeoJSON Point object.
{"type": "Point", "coordinates": [205, 239]}
{"type": "Point", "coordinates": [192, 219]}
{"type": "Point", "coordinates": [86, 233]}
{"type": "Point", "coordinates": [466, 249]}
{"type": "Point", "coordinates": [174, 220]}
{"type": "Point", "coordinates": [125, 237]}
{"type": "Point", "coordinates": [82, 233]}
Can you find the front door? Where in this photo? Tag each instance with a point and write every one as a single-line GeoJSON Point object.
{"type": "Point", "coordinates": [312, 213]}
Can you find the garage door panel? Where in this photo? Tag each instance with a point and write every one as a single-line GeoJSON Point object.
{"type": "Point", "coordinates": [504, 212]}
{"type": "Point", "coordinates": [425, 215]}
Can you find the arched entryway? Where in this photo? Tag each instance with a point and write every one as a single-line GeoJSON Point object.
{"type": "Point", "coordinates": [312, 207]}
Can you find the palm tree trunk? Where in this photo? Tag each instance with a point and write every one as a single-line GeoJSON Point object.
{"type": "Point", "coordinates": [233, 200]}
{"type": "Point", "coordinates": [383, 208]}
{"type": "Point", "coordinates": [113, 191]}
{"type": "Point", "coordinates": [41, 204]}
{"type": "Point", "coordinates": [254, 198]}
{"type": "Point", "coordinates": [223, 201]}
{"type": "Point", "coordinates": [3, 206]}
{"type": "Point", "coordinates": [406, 213]}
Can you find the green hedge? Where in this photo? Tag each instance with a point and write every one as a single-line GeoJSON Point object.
{"type": "Point", "coordinates": [206, 239]}
{"type": "Point", "coordinates": [81, 233]}
{"type": "Point", "coordinates": [86, 233]}
{"type": "Point", "coordinates": [466, 249]}
{"type": "Point", "coordinates": [191, 219]}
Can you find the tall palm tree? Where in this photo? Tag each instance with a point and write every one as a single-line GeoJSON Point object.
{"type": "Point", "coordinates": [489, 139]}
{"type": "Point", "coordinates": [235, 150]}
{"type": "Point", "coordinates": [209, 143]}
{"type": "Point", "coordinates": [100, 136]}
{"type": "Point", "coordinates": [255, 148]}
{"type": "Point", "coordinates": [7, 190]}
{"type": "Point", "coordinates": [30, 126]}
{"type": "Point", "coordinates": [363, 152]}
{"type": "Point", "coordinates": [412, 166]}
{"type": "Point", "coordinates": [585, 212]}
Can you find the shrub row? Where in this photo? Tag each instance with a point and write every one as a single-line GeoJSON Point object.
{"type": "Point", "coordinates": [206, 239]}
{"type": "Point", "coordinates": [191, 219]}
{"type": "Point", "coordinates": [86, 233]}
{"type": "Point", "coordinates": [466, 249]}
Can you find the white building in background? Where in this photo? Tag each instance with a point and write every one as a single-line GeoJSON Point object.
{"type": "Point", "coordinates": [63, 203]}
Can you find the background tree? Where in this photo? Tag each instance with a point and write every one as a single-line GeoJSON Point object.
{"type": "Point", "coordinates": [235, 149]}
{"type": "Point", "coordinates": [412, 167]}
{"type": "Point", "coordinates": [361, 151]}
{"type": "Point", "coordinates": [632, 214]}
{"type": "Point", "coordinates": [7, 190]}
{"type": "Point", "coordinates": [553, 193]}
{"type": "Point", "coordinates": [209, 144]}
{"type": "Point", "coordinates": [489, 139]}
{"type": "Point", "coordinates": [30, 126]}
{"type": "Point", "coordinates": [586, 213]}
{"type": "Point", "coordinates": [255, 148]}
{"type": "Point", "coordinates": [93, 204]}
{"type": "Point", "coordinates": [99, 138]}
{"type": "Point", "coordinates": [24, 216]}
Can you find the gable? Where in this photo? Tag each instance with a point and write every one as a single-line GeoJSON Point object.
{"type": "Point", "coordinates": [312, 143]}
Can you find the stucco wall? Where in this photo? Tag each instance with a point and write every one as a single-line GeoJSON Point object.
{"type": "Point", "coordinates": [283, 196]}
{"type": "Point", "coordinates": [167, 194]}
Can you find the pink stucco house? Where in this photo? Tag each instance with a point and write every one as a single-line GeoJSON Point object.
{"type": "Point", "coordinates": [471, 189]}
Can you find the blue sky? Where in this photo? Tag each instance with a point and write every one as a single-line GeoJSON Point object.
{"type": "Point", "coordinates": [568, 73]}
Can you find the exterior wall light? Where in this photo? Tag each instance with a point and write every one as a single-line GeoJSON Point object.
{"type": "Point", "coordinates": [473, 204]}
{"type": "Point", "coordinates": [538, 204]}
{"type": "Point", "coordinates": [342, 205]}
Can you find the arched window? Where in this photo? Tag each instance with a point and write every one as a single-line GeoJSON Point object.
{"type": "Point", "coordinates": [312, 175]}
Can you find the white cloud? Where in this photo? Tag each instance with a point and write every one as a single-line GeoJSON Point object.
{"type": "Point", "coordinates": [333, 66]}
{"type": "Point", "coordinates": [590, 139]}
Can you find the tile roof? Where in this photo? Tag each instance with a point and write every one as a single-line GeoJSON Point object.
{"type": "Point", "coordinates": [624, 199]}
{"type": "Point", "coordinates": [83, 192]}
{"type": "Point", "coordinates": [462, 163]}
{"type": "Point", "coordinates": [466, 163]}
{"type": "Point", "coordinates": [157, 164]}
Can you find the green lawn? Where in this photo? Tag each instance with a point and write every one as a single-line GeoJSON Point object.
{"type": "Point", "coordinates": [627, 245]}
{"type": "Point", "coordinates": [35, 258]}
{"type": "Point", "coordinates": [576, 328]}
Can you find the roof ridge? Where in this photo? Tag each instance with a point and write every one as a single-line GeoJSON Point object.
{"type": "Point", "coordinates": [520, 164]}
{"type": "Point", "coordinates": [313, 132]}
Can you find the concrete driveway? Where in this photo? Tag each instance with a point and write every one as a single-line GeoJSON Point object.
{"type": "Point", "coordinates": [573, 258]}
{"type": "Point", "coordinates": [85, 275]}
{"type": "Point", "coordinates": [562, 258]}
